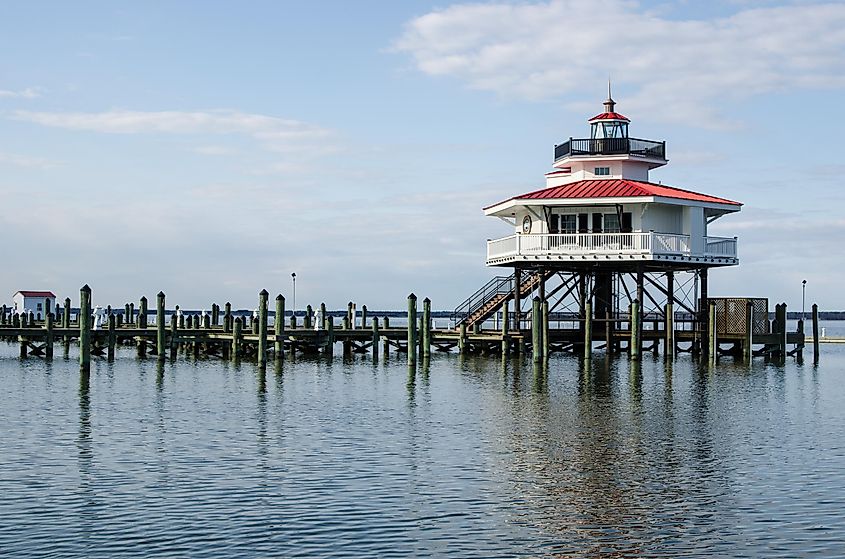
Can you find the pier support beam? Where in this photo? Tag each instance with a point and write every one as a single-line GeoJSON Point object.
{"type": "Point", "coordinates": [669, 333]}
{"type": "Point", "coordinates": [85, 328]}
{"type": "Point", "coordinates": [262, 328]}
{"type": "Point", "coordinates": [112, 337]}
{"type": "Point", "coordinates": [505, 318]}
{"type": "Point", "coordinates": [517, 301]}
{"type": "Point", "coordinates": [588, 330]}
{"type": "Point", "coordinates": [635, 331]}
{"type": "Point", "coordinates": [426, 328]}
{"type": "Point", "coordinates": [536, 331]}
{"type": "Point", "coordinates": [748, 342]}
{"type": "Point", "coordinates": [174, 328]}
{"type": "Point", "coordinates": [48, 336]}
{"type": "Point", "coordinates": [279, 326]}
{"type": "Point", "coordinates": [160, 351]}
{"type": "Point", "coordinates": [376, 337]}
{"type": "Point", "coordinates": [815, 334]}
{"type": "Point", "coordinates": [545, 332]}
{"type": "Point", "coordinates": [412, 329]}
{"type": "Point", "coordinates": [712, 343]}
{"type": "Point", "coordinates": [703, 311]}
{"type": "Point", "coordinates": [237, 336]}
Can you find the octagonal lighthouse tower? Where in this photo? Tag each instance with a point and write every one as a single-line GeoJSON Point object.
{"type": "Point", "coordinates": [606, 232]}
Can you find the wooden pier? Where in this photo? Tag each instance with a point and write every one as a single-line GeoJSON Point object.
{"type": "Point", "coordinates": [222, 334]}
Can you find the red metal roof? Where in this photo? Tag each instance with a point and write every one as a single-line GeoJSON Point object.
{"type": "Point", "coordinates": [37, 294]}
{"type": "Point", "coordinates": [617, 188]}
{"type": "Point", "coordinates": [610, 116]}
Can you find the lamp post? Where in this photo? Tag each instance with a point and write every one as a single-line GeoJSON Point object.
{"type": "Point", "coordinates": [803, 297]}
{"type": "Point", "coordinates": [293, 277]}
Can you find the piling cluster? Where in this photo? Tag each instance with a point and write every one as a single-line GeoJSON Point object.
{"type": "Point", "coordinates": [222, 334]}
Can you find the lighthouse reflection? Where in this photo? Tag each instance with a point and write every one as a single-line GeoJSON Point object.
{"type": "Point", "coordinates": [604, 461]}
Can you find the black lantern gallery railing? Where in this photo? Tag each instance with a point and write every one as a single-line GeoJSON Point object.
{"type": "Point", "coordinates": [611, 146]}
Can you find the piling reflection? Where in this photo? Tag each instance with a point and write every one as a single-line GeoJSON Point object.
{"type": "Point", "coordinates": [85, 456]}
{"type": "Point", "coordinates": [411, 384]}
{"type": "Point", "coordinates": [540, 370]}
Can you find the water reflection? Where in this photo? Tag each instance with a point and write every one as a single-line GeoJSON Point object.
{"type": "Point", "coordinates": [598, 457]}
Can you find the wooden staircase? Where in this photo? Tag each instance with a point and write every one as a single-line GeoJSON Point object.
{"type": "Point", "coordinates": [485, 302]}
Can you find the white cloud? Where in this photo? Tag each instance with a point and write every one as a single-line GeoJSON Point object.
{"type": "Point", "coordinates": [676, 68]}
{"type": "Point", "coordinates": [26, 161]}
{"type": "Point", "coordinates": [28, 93]}
{"type": "Point", "coordinates": [275, 133]}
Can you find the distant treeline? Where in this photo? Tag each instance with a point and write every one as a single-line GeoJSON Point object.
{"type": "Point", "coordinates": [823, 315]}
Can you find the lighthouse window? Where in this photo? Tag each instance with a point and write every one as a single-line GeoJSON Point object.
{"type": "Point", "coordinates": [601, 171]}
{"type": "Point", "coordinates": [611, 223]}
{"type": "Point", "coordinates": [568, 223]}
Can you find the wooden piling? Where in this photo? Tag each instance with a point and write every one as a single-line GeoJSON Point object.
{"type": "Point", "coordinates": [142, 313]}
{"type": "Point", "coordinates": [85, 328]}
{"type": "Point", "coordinates": [330, 335]}
{"type": "Point", "coordinates": [227, 318]}
{"type": "Point", "coordinates": [608, 332]}
{"type": "Point", "coordinates": [48, 336]}
{"type": "Point", "coordinates": [426, 324]}
{"type": "Point", "coordinates": [160, 352]}
{"type": "Point", "coordinates": [293, 320]}
{"type": "Point", "coordinates": [386, 322]}
{"type": "Point", "coordinates": [215, 315]}
{"type": "Point", "coordinates": [712, 342]}
{"type": "Point", "coordinates": [634, 343]}
{"type": "Point", "coordinates": [588, 330]}
{"type": "Point", "coordinates": [126, 316]}
{"type": "Point", "coordinates": [262, 327]}
{"type": "Point", "coordinates": [376, 337]}
{"type": "Point", "coordinates": [112, 337]}
{"type": "Point", "coordinates": [547, 346]}
{"type": "Point", "coordinates": [815, 334]}
{"type": "Point", "coordinates": [462, 338]}
{"type": "Point", "coordinates": [536, 331]}
{"type": "Point", "coordinates": [669, 327]}
{"type": "Point", "coordinates": [349, 315]}
{"type": "Point", "coordinates": [781, 318]}
{"type": "Point", "coordinates": [307, 320]}
{"type": "Point", "coordinates": [174, 335]}
{"type": "Point", "coordinates": [412, 329]}
{"type": "Point", "coordinates": [279, 326]}
{"type": "Point", "coordinates": [748, 342]}
{"type": "Point", "coordinates": [237, 336]}
{"type": "Point", "coordinates": [132, 313]}
{"type": "Point", "coordinates": [505, 318]}
{"type": "Point", "coordinates": [364, 317]}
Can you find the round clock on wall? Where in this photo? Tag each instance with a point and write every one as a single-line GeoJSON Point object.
{"type": "Point", "coordinates": [526, 224]}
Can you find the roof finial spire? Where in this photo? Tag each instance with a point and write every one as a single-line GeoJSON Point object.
{"type": "Point", "coordinates": [610, 103]}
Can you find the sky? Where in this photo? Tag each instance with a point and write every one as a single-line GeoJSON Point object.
{"type": "Point", "coordinates": [210, 149]}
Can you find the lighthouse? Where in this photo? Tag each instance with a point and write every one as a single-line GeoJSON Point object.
{"type": "Point", "coordinates": [601, 234]}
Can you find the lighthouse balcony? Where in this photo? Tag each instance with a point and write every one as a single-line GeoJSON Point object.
{"type": "Point", "coordinates": [612, 247]}
{"type": "Point", "coordinates": [611, 146]}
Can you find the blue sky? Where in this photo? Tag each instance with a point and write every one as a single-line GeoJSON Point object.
{"type": "Point", "coordinates": [210, 149]}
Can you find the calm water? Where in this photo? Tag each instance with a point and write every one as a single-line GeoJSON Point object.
{"type": "Point", "coordinates": [465, 458]}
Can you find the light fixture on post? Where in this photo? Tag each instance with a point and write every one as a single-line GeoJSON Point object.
{"type": "Point", "coordinates": [293, 278]}
{"type": "Point", "coordinates": [803, 297]}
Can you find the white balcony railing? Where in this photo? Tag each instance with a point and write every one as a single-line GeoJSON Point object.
{"type": "Point", "coordinates": [720, 246]}
{"type": "Point", "coordinates": [582, 244]}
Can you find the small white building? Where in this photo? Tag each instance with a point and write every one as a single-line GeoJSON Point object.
{"type": "Point", "coordinates": [39, 302]}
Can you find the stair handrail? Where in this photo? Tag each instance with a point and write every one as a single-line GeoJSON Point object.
{"type": "Point", "coordinates": [482, 296]}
